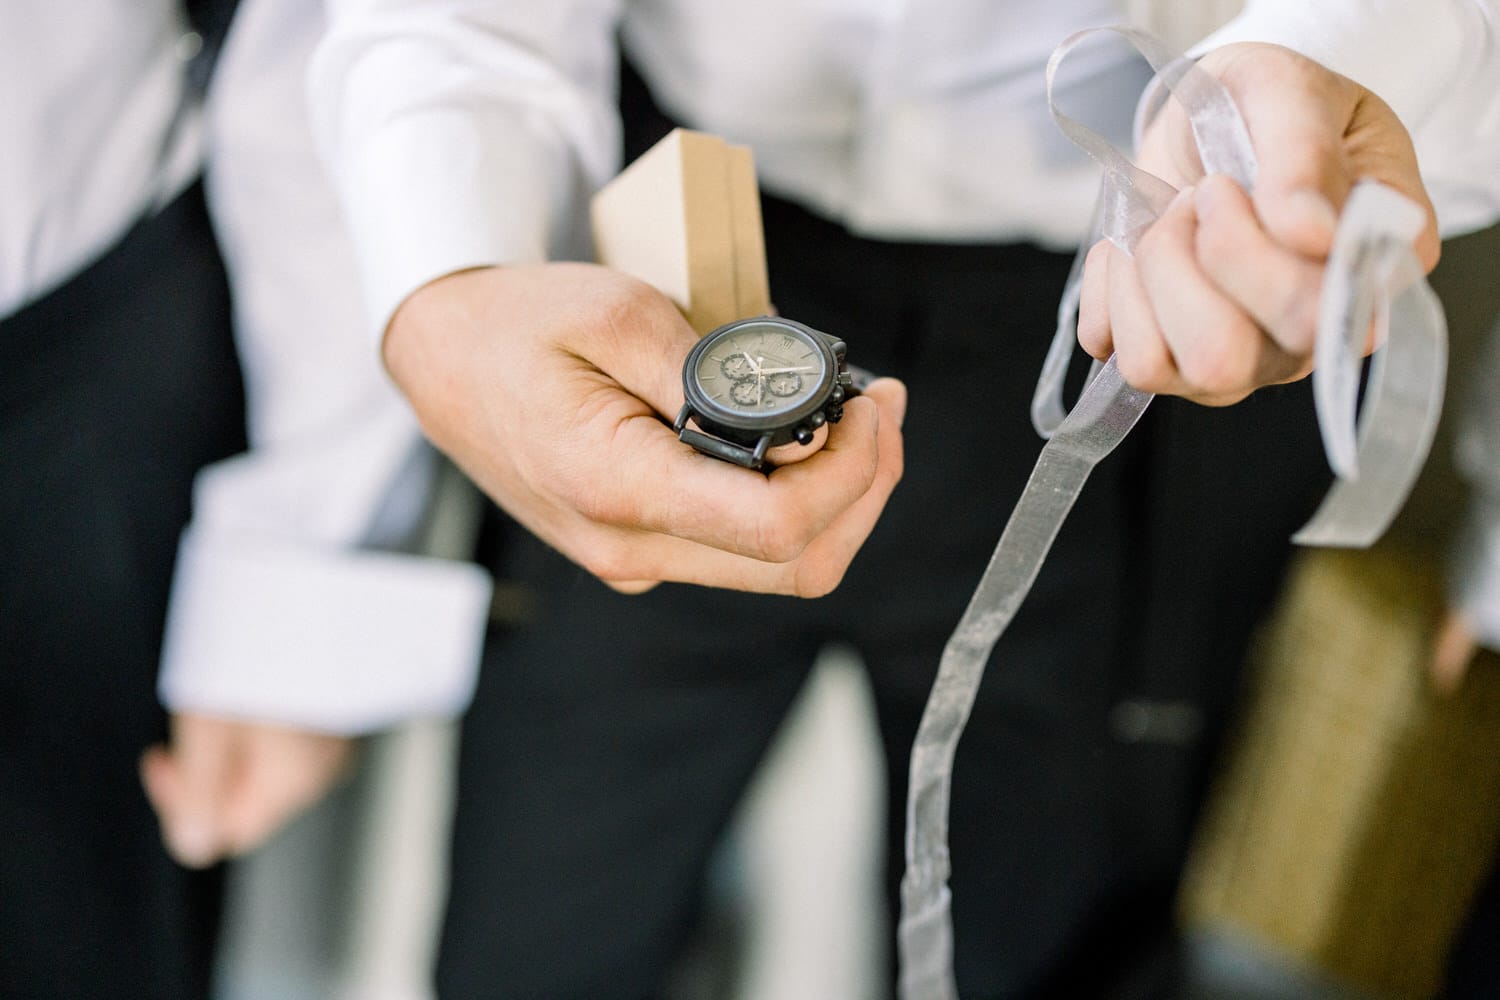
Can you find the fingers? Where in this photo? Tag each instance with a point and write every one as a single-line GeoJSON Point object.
{"type": "Point", "coordinates": [795, 545]}
{"type": "Point", "coordinates": [823, 564]}
{"type": "Point", "coordinates": [1211, 332]}
{"type": "Point", "coordinates": [287, 770]}
{"type": "Point", "coordinates": [224, 786]}
{"type": "Point", "coordinates": [653, 483]}
{"type": "Point", "coordinates": [1140, 349]}
{"type": "Point", "coordinates": [789, 454]}
{"type": "Point", "coordinates": [1176, 313]}
{"type": "Point", "coordinates": [549, 385]}
{"type": "Point", "coordinates": [1094, 332]}
{"type": "Point", "coordinates": [187, 787]}
{"type": "Point", "coordinates": [1279, 289]}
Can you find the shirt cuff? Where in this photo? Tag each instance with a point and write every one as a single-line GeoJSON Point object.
{"type": "Point", "coordinates": [1474, 584]}
{"type": "Point", "coordinates": [429, 197]}
{"type": "Point", "coordinates": [334, 640]}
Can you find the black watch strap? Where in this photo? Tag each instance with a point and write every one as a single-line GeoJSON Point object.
{"type": "Point", "coordinates": [750, 458]}
{"type": "Point", "coordinates": [859, 379]}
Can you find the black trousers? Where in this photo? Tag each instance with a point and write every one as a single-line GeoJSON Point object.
{"type": "Point", "coordinates": [114, 389]}
{"type": "Point", "coordinates": [610, 740]}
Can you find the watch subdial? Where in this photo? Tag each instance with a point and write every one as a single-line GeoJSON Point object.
{"type": "Point", "coordinates": [784, 383]}
{"type": "Point", "coordinates": [746, 392]}
{"type": "Point", "coordinates": [736, 367]}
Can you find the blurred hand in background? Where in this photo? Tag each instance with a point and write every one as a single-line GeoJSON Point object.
{"type": "Point", "coordinates": [222, 787]}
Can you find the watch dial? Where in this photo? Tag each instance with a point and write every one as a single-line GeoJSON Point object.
{"type": "Point", "coordinates": [762, 369]}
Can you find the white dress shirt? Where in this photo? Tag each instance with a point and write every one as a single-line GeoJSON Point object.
{"type": "Point", "coordinates": [275, 614]}
{"type": "Point", "coordinates": [471, 132]}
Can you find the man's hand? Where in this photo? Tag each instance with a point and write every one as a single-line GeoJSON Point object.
{"type": "Point", "coordinates": [1221, 297]}
{"type": "Point", "coordinates": [551, 386]}
{"type": "Point", "coordinates": [224, 787]}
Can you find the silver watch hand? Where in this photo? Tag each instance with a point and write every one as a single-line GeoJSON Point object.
{"type": "Point", "coordinates": [779, 371]}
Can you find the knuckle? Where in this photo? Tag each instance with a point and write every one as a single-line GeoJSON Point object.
{"type": "Point", "coordinates": [1152, 241]}
{"type": "Point", "coordinates": [631, 587]}
{"type": "Point", "coordinates": [1144, 369]}
{"type": "Point", "coordinates": [1096, 262]}
{"type": "Point", "coordinates": [1219, 365]}
{"type": "Point", "coordinates": [633, 300]}
{"type": "Point", "coordinates": [1164, 238]}
{"type": "Point", "coordinates": [617, 311]}
{"type": "Point", "coordinates": [596, 500]}
{"type": "Point", "coordinates": [1295, 317]}
{"type": "Point", "coordinates": [1220, 401]}
{"type": "Point", "coordinates": [819, 577]}
{"type": "Point", "coordinates": [594, 505]}
{"type": "Point", "coordinates": [1217, 244]}
{"type": "Point", "coordinates": [610, 561]}
{"type": "Point", "coordinates": [779, 540]}
{"type": "Point", "coordinates": [1093, 331]}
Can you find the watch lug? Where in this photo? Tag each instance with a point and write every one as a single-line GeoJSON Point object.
{"type": "Point", "coordinates": [761, 447]}
{"type": "Point", "coordinates": [682, 418]}
{"type": "Point", "coordinates": [840, 349]}
{"type": "Point", "coordinates": [727, 450]}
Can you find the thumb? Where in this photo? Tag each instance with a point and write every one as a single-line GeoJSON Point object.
{"type": "Point", "coordinates": [643, 345]}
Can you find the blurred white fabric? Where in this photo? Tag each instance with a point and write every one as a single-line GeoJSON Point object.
{"type": "Point", "coordinates": [345, 903]}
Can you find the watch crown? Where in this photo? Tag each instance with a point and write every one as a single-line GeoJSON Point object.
{"type": "Point", "coordinates": [803, 434]}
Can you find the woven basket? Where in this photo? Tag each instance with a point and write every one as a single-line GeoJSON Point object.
{"type": "Point", "coordinates": [1356, 812]}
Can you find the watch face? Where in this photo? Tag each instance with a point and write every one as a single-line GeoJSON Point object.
{"type": "Point", "coordinates": [762, 371]}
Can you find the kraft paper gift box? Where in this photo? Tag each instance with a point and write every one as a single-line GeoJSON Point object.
{"type": "Point", "coordinates": [685, 218]}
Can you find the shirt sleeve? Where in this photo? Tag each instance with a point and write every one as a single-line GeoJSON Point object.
{"type": "Point", "coordinates": [1435, 62]}
{"type": "Point", "coordinates": [465, 133]}
{"type": "Point", "coordinates": [276, 612]}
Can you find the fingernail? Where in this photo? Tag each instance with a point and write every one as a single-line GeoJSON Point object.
{"type": "Point", "coordinates": [193, 845]}
{"type": "Point", "coordinates": [1314, 208]}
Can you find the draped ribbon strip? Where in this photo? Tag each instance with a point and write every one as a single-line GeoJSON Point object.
{"type": "Point", "coordinates": [1372, 276]}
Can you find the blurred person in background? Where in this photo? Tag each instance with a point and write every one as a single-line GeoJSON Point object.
{"type": "Point", "coordinates": [1474, 620]}
{"type": "Point", "coordinates": [122, 350]}
{"type": "Point", "coordinates": [919, 203]}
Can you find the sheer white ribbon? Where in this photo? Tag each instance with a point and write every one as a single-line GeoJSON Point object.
{"type": "Point", "coordinates": [1372, 274]}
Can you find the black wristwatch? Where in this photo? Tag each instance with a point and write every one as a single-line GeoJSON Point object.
{"type": "Point", "coordinates": [757, 383]}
